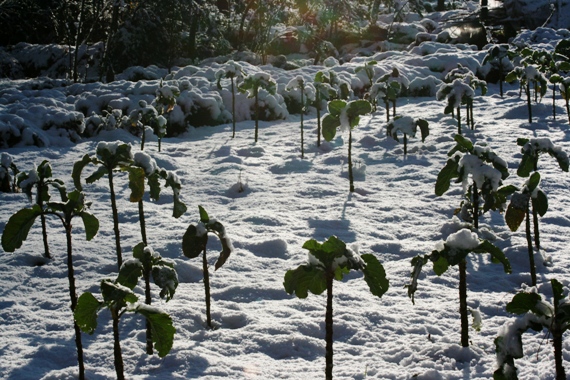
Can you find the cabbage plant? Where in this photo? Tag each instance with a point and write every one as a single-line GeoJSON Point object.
{"type": "Point", "coordinates": [111, 158]}
{"type": "Point", "coordinates": [408, 126]}
{"type": "Point", "coordinates": [324, 91]}
{"type": "Point", "coordinates": [73, 205]}
{"type": "Point", "coordinates": [527, 75]}
{"type": "Point", "coordinates": [534, 314]}
{"type": "Point", "coordinates": [41, 179]}
{"type": "Point", "coordinates": [8, 182]}
{"type": "Point", "coordinates": [346, 116]}
{"type": "Point", "coordinates": [194, 243]}
{"type": "Point", "coordinates": [330, 261]}
{"type": "Point", "coordinates": [252, 85]}
{"type": "Point", "coordinates": [234, 72]}
{"type": "Point", "coordinates": [307, 95]}
{"type": "Point", "coordinates": [119, 298]}
{"type": "Point", "coordinates": [454, 251]}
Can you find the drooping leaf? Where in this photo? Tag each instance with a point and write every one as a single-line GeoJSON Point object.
{"type": "Point", "coordinates": [445, 176]}
{"type": "Point", "coordinates": [162, 328]}
{"type": "Point", "coordinates": [18, 227]}
{"type": "Point", "coordinates": [441, 265]}
{"type": "Point", "coordinates": [227, 248]}
{"type": "Point", "coordinates": [424, 128]}
{"type": "Point", "coordinates": [85, 313]}
{"type": "Point", "coordinates": [497, 255]}
{"type": "Point", "coordinates": [304, 279]}
{"type": "Point", "coordinates": [540, 203]}
{"type": "Point", "coordinates": [116, 295]}
{"type": "Point", "coordinates": [91, 224]}
{"type": "Point", "coordinates": [97, 175]}
{"type": "Point", "coordinates": [329, 124]}
{"type": "Point", "coordinates": [557, 291]}
{"type": "Point", "coordinates": [516, 210]}
{"type": "Point", "coordinates": [77, 169]}
{"type": "Point", "coordinates": [375, 275]}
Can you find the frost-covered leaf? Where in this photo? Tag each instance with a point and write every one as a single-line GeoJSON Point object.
{"type": "Point", "coordinates": [194, 242]}
{"type": "Point", "coordinates": [524, 302]}
{"type": "Point", "coordinates": [445, 176]}
{"type": "Point", "coordinates": [130, 272]}
{"type": "Point", "coordinates": [166, 278]}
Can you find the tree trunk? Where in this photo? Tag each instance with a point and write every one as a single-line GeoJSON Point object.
{"type": "Point", "coordinates": [118, 355]}
{"type": "Point", "coordinates": [329, 328]}
{"type": "Point", "coordinates": [207, 288]}
{"type": "Point", "coordinates": [530, 249]}
{"type": "Point", "coordinates": [350, 175]}
{"type": "Point", "coordinates": [115, 219]}
{"type": "Point", "coordinates": [108, 67]}
{"type": "Point", "coordinates": [440, 5]}
{"type": "Point", "coordinates": [73, 298]}
{"type": "Point", "coordinates": [77, 41]}
{"type": "Point", "coordinates": [463, 303]}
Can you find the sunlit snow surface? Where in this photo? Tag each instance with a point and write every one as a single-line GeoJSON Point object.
{"type": "Point", "coordinates": [271, 201]}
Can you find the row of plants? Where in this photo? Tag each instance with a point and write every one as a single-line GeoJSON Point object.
{"type": "Point", "coordinates": [332, 259]}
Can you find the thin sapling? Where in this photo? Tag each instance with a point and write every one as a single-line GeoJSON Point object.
{"type": "Point", "coordinates": [500, 59]}
{"type": "Point", "coordinates": [330, 261]}
{"type": "Point", "coordinates": [346, 116]}
{"type": "Point", "coordinates": [454, 251]}
{"type": "Point", "coordinates": [527, 75]}
{"type": "Point", "coordinates": [194, 243]}
{"type": "Point", "coordinates": [323, 92]}
{"type": "Point", "coordinates": [8, 182]}
{"type": "Point", "coordinates": [73, 205]}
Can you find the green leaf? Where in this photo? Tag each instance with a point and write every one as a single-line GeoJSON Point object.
{"type": "Point", "coordinates": [192, 244]}
{"type": "Point", "coordinates": [533, 182]}
{"type": "Point", "coordinates": [526, 166]}
{"type": "Point", "coordinates": [204, 218]}
{"type": "Point", "coordinates": [227, 249]}
{"type": "Point", "coordinates": [85, 313]}
{"type": "Point", "coordinates": [136, 183]}
{"type": "Point", "coordinates": [161, 327]}
{"type": "Point", "coordinates": [18, 227]}
{"type": "Point", "coordinates": [375, 275]}
{"type": "Point", "coordinates": [540, 203]}
{"type": "Point", "coordinates": [154, 185]}
{"type": "Point", "coordinates": [335, 107]}
{"type": "Point", "coordinates": [523, 303]}
{"type": "Point", "coordinates": [329, 125]}
{"type": "Point", "coordinates": [465, 144]}
{"type": "Point", "coordinates": [91, 224]}
{"type": "Point", "coordinates": [77, 169]}
{"type": "Point", "coordinates": [304, 279]}
{"type": "Point", "coordinates": [445, 176]}
{"type": "Point", "coordinates": [497, 255]}
{"type": "Point", "coordinates": [130, 272]}
{"type": "Point", "coordinates": [441, 265]}
{"type": "Point", "coordinates": [516, 211]}
{"type": "Point", "coordinates": [357, 108]}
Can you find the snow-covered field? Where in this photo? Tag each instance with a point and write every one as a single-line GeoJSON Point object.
{"type": "Point", "coordinates": [261, 331]}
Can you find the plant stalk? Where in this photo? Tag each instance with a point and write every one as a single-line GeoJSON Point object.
{"type": "Point", "coordinates": [405, 144]}
{"type": "Point", "coordinates": [117, 353]}
{"type": "Point", "coordinates": [148, 301]}
{"type": "Point", "coordinates": [557, 342]}
{"type": "Point", "coordinates": [463, 303]}
{"type": "Point", "coordinates": [530, 249]}
{"type": "Point", "coordinates": [318, 103]}
{"type": "Point", "coordinates": [350, 174]}
{"type": "Point", "coordinates": [142, 222]}
{"type": "Point", "coordinates": [302, 129]}
{"type": "Point", "coordinates": [73, 298]}
{"type": "Point", "coordinates": [329, 328]}
{"type": "Point", "coordinates": [256, 115]}
{"type": "Point", "coordinates": [459, 120]}
{"type": "Point", "coordinates": [535, 225]}
{"type": "Point", "coordinates": [475, 206]}
{"type": "Point", "coordinates": [233, 108]}
{"type": "Point", "coordinates": [527, 90]}
{"type": "Point", "coordinates": [115, 220]}
{"type": "Point", "coordinates": [207, 288]}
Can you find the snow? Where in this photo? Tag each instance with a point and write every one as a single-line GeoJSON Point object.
{"type": "Point", "coordinates": [463, 239]}
{"type": "Point", "coordinates": [263, 333]}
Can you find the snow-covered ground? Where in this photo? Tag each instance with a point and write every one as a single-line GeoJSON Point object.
{"type": "Point", "coordinates": [261, 331]}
